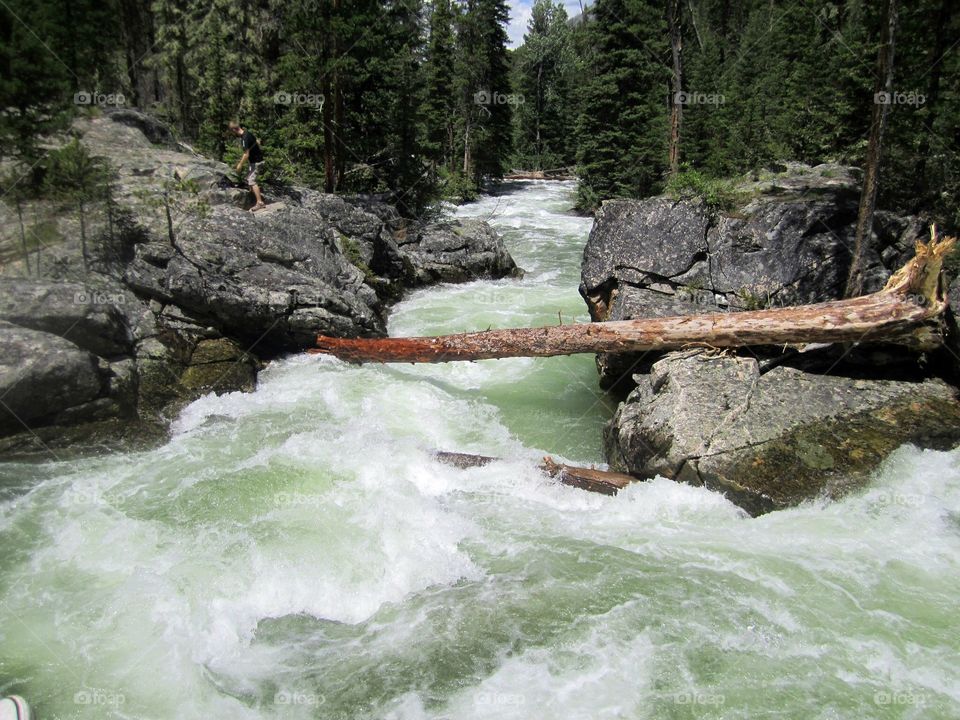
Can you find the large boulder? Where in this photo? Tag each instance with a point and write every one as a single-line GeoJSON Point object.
{"type": "Point", "coordinates": [787, 242]}
{"type": "Point", "coordinates": [772, 439]}
{"type": "Point", "coordinates": [769, 428]}
{"type": "Point", "coordinates": [456, 251]}
{"type": "Point", "coordinates": [208, 290]}
{"type": "Point", "coordinates": [90, 316]}
{"type": "Point", "coordinates": [43, 377]}
{"type": "Point", "coordinates": [275, 279]}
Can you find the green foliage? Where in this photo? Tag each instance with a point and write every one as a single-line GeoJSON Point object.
{"type": "Point", "coordinates": [544, 72]}
{"type": "Point", "coordinates": [79, 179]}
{"type": "Point", "coordinates": [74, 175]}
{"type": "Point", "coordinates": [421, 98]}
{"type": "Point", "coordinates": [456, 187]}
{"type": "Point", "coordinates": [719, 195]}
{"type": "Point", "coordinates": [623, 125]}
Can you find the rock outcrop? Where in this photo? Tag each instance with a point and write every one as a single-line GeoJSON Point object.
{"type": "Point", "coordinates": [788, 243]}
{"type": "Point", "coordinates": [770, 427]}
{"type": "Point", "coordinates": [195, 292]}
{"type": "Point", "coordinates": [768, 440]}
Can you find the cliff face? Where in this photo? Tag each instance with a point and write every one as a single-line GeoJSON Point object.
{"type": "Point", "coordinates": [199, 291]}
{"type": "Point", "coordinates": [770, 427]}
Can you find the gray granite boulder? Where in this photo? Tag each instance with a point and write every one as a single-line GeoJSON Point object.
{"type": "Point", "coordinates": [769, 440]}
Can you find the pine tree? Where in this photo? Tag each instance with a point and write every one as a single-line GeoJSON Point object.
{"type": "Point", "coordinates": [35, 85]}
{"type": "Point", "coordinates": [493, 137]}
{"type": "Point", "coordinates": [440, 106]}
{"type": "Point", "coordinates": [623, 125]}
{"type": "Point", "coordinates": [80, 180]}
{"type": "Point", "coordinates": [543, 76]}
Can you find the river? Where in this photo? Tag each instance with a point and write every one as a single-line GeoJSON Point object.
{"type": "Point", "coordinates": [296, 553]}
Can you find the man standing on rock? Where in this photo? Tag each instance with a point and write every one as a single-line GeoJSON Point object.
{"type": "Point", "coordinates": [251, 154]}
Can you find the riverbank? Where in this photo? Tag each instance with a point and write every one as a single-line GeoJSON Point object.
{"type": "Point", "coordinates": [166, 289]}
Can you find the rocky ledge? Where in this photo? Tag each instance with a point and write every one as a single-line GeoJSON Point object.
{"type": "Point", "coordinates": [196, 301]}
{"type": "Point", "coordinates": [769, 427]}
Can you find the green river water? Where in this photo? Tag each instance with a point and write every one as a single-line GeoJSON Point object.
{"type": "Point", "coordinates": [296, 552]}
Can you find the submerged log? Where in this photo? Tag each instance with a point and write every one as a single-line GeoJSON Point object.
{"type": "Point", "coordinates": [601, 481]}
{"type": "Point", "coordinates": [908, 311]}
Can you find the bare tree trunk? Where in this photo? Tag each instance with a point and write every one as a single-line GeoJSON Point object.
{"type": "Point", "coordinates": [941, 28]}
{"type": "Point", "coordinates": [166, 210]}
{"type": "Point", "coordinates": [676, 108]}
{"type": "Point", "coordinates": [23, 237]}
{"type": "Point", "coordinates": [906, 312]}
{"type": "Point", "coordinates": [871, 176]}
{"type": "Point", "coordinates": [83, 239]}
{"type": "Point", "coordinates": [466, 149]}
{"type": "Point", "coordinates": [329, 161]}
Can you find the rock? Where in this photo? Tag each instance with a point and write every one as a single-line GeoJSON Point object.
{"type": "Point", "coordinates": [42, 377]}
{"type": "Point", "coordinates": [154, 130]}
{"type": "Point", "coordinates": [787, 243]}
{"type": "Point", "coordinates": [89, 316]}
{"type": "Point", "coordinates": [457, 251]}
{"type": "Point", "coordinates": [207, 289]}
{"type": "Point", "coordinates": [248, 275]}
{"type": "Point", "coordinates": [775, 439]}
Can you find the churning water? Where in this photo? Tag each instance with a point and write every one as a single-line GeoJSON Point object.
{"type": "Point", "coordinates": [296, 553]}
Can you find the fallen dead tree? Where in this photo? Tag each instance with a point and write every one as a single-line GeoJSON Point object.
{"type": "Point", "coordinates": [908, 311]}
{"type": "Point", "coordinates": [601, 481]}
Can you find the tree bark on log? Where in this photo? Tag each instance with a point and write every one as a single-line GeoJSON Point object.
{"type": "Point", "coordinates": [605, 482]}
{"type": "Point", "coordinates": [906, 312]}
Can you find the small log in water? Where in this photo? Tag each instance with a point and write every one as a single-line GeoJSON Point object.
{"type": "Point", "coordinates": [907, 312]}
{"type": "Point", "coordinates": [601, 481]}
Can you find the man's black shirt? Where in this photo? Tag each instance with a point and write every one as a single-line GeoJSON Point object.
{"type": "Point", "coordinates": [249, 142]}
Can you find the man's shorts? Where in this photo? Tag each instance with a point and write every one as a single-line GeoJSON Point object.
{"type": "Point", "coordinates": [252, 174]}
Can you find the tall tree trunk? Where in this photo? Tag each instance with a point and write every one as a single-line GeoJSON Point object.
{"type": "Point", "coordinates": [882, 97]}
{"type": "Point", "coordinates": [329, 159]}
{"type": "Point", "coordinates": [136, 23]}
{"type": "Point", "coordinates": [466, 149]}
{"type": "Point", "coordinates": [944, 17]}
{"type": "Point", "coordinates": [340, 153]}
{"type": "Point", "coordinates": [83, 238]}
{"type": "Point", "coordinates": [23, 235]}
{"type": "Point", "coordinates": [676, 108]}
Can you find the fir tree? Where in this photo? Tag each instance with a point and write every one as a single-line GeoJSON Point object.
{"type": "Point", "coordinates": [543, 75]}
{"type": "Point", "coordinates": [623, 126]}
